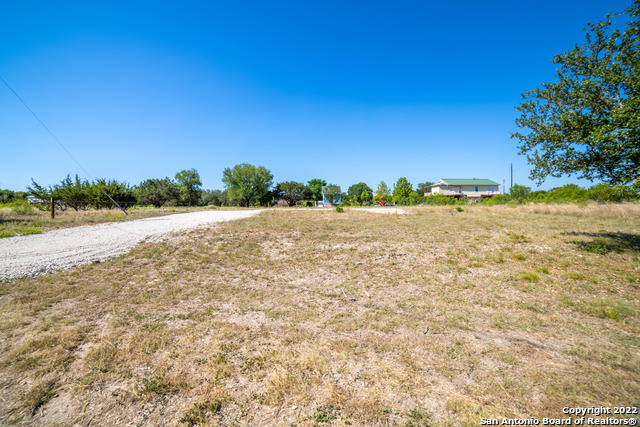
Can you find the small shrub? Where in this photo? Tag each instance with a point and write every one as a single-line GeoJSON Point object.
{"type": "Point", "coordinates": [325, 414]}
{"type": "Point", "coordinates": [22, 207]}
{"type": "Point", "coordinates": [517, 237]}
{"type": "Point", "coordinates": [307, 203]}
{"type": "Point", "coordinates": [157, 385]}
{"type": "Point", "coordinates": [199, 414]}
{"type": "Point", "coordinates": [529, 277]}
{"type": "Point", "coordinates": [500, 199]}
{"type": "Point", "coordinates": [339, 209]}
{"type": "Point", "coordinates": [441, 199]}
{"type": "Point", "coordinates": [417, 418]}
{"type": "Point", "coordinates": [598, 246]}
{"type": "Point", "coordinates": [459, 209]}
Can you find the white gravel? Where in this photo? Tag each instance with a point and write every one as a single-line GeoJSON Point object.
{"type": "Point", "coordinates": [387, 210]}
{"type": "Point", "coordinates": [36, 254]}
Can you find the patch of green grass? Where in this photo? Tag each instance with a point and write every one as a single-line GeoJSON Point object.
{"type": "Point", "coordinates": [12, 229]}
{"type": "Point", "coordinates": [529, 277]}
{"type": "Point", "coordinates": [201, 412]}
{"type": "Point", "coordinates": [609, 307]}
{"type": "Point", "coordinates": [519, 257]}
{"type": "Point", "coordinates": [325, 414]}
{"type": "Point", "coordinates": [598, 246]}
{"type": "Point", "coordinates": [417, 419]}
{"type": "Point", "coordinates": [517, 237]}
{"type": "Point", "coordinates": [156, 385]}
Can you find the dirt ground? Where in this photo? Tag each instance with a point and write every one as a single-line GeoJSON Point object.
{"type": "Point", "coordinates": [308, 317]}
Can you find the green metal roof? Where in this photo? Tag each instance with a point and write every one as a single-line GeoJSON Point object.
{"type": "Point", "coordinates": [474, 181]}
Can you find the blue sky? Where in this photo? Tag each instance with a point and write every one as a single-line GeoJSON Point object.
{"type": "Point", "coordinates": [343, 91]}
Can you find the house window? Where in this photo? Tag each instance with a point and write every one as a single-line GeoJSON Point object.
{"type": "Point", "coordinates": [476, 189]}
{"type": "Point", "coordinates": [491, 189]}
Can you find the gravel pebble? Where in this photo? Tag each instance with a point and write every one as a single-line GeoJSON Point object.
{"type": "Point", "coordinates": [36, 254]}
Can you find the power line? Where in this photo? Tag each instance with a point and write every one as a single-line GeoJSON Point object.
{"type": "Point", "coordinates": [58, 141]}
{"type": "Point", "coordinates": [48, 130]}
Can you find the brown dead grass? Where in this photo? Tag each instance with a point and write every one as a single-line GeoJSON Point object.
{"type": "Point", "coordinates": [303, 316]}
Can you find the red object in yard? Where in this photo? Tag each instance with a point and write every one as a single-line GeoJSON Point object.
{"type": "Point", "coordinates": [381, 201]}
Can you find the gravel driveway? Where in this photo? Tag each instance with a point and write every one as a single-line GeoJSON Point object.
{"type": "Point", "coordinates": [36, 254]}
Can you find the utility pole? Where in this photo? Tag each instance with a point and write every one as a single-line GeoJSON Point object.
{"type": "Point", "coordinates": [511, 178]}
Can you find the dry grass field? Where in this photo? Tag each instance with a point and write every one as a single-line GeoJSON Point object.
{"type": "Point", "coordinates": [313, 317]}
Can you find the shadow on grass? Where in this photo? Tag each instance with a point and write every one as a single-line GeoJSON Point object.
{"type": "Point", "coordinates": [601, 243]}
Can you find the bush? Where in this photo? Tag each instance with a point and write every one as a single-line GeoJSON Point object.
{"type": "Point", "coordinates": [339, 209]}
{"type": "Point", "coordinates": [8, 196]}
{"type": "Point", "coordinates": [500, 199]}
{"type": "Point", "coordinates": [440, 199]}
{"type": "Point", "coordinates": [570, 193]}
{"type": "Point", "coordinates": [308, 203]}
{"type": "Point", "coordinates": [604, 193]}
{"type": "Point", "coordinates": [21, 207]}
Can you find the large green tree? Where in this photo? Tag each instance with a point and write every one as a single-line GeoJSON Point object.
{"type": "Point", "coordinates": [247, 183]}
{"type": "Point", "coordinates": [157, 192]}
{"type": "Point", "coordinates": [423, 187]}
{"type": "Point", "coordinates": [383, 192]}
{"type": "Point", "coordinates": [190, 187]}
{"type": "Point", "coordinates": [355, 192]}
{"type": "Point", "coordinates": [316, 188]}
{"type": "Point", "coordinates": [332, 194]}
{"type": "Point", "coordinates": [587, 121]}
{"type": "Point", "coordinates": [402, 190]}
{"type": "Point", "coordinates": [120, 192]}
{"type": "Point", "coordinates": [292, 192]}
{"type": "Point", "coordinates": [75, 193]}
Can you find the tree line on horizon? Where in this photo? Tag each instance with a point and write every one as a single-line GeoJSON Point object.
{"type": "Point", "coordinates": [247, 185]}
{"type": "Point", "coordinates": [244, 185]}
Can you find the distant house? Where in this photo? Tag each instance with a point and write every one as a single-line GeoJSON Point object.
{"type": "Point", "coordinates": [33, 199]}
{"type": "Point", "coordinates": [469, 188]}
{"type": "Point", "coordinates": [331, 196]}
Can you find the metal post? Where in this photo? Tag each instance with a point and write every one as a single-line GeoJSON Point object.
{"type": "Point", "coordinates": [53, 211]}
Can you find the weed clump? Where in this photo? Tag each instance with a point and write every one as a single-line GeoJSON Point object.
{"type": "Point", "coordinates": [529, 277]}
{"type": "Point", "coordinates": [325, 414]}
{"type": "Point", "coordinates": [598, 246]}
{"type": "Point", "coordinates": [199, 414]}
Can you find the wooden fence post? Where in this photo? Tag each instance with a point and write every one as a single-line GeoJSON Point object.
{"type": "Point", "coordinates": [53, 211]}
